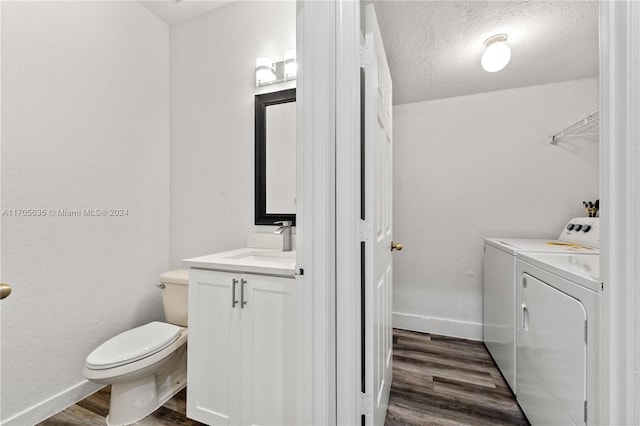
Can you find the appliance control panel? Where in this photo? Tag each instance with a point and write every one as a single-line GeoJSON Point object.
{"type": "Point", "coordinates": [582, 230]}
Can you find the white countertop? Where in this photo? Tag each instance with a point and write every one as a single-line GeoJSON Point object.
{"type": "Point", "coordinates": [250, 260]}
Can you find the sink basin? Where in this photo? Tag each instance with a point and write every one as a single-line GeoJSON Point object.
{"type": "Point", "coordinates": [250, 260]}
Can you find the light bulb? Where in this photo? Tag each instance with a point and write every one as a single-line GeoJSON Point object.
{"type": "Point", "coordinates": [497, 55]}
{"type": "Point", "coordinates": [290, 64]}
{"type": "Point", "coordinates": [265, 71]}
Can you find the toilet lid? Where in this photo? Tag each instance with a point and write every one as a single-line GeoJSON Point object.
{"type": "Point", "coordinates": [132, 345]}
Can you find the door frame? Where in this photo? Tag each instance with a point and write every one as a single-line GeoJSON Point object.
{"type": "Point", "coordinates": [316, 213]}
{"type": "Point", "coordinates": [328, 231]}
{"type": "Point", "coordinates": [350, 403]}
{"type": "Point", "coordinates": [620, 219]}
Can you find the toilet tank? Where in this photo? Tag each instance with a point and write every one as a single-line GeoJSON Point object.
{"type": "Point", "coordinates": [175, 292]}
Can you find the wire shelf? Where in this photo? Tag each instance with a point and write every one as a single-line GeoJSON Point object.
{"type": "Point", "coordinates": [585, 127]}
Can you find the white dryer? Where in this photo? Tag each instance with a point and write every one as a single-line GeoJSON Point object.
{"type": "Point", "coordinates": [581, 235]}
{"type": "Point", "coordinates": [557, 338]}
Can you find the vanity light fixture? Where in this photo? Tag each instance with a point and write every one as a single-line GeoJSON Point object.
{"type": "Point", "coordinates": [270, 72]}
{"type": "Point", "coordinates": [497, 54]}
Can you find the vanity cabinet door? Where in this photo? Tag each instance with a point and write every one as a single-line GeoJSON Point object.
{"type": "Point", "coordinates": [271, 345]}
{"type": "Point", "coordinates": [213, 394]}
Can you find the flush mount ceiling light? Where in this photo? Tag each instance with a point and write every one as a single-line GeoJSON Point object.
{"type": "Point", "coordinates": [497, 54]}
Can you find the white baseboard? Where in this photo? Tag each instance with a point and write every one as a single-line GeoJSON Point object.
{"type": "Point", "coordinates": [47, 408]}
{"type": "Point", "coordinates": [442, 326]}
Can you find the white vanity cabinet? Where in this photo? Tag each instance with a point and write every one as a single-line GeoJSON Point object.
{"type": "Point", "coordinates": [244, 349]}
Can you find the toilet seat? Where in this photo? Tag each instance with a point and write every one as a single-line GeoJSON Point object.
{"type": "Point", "coordinates": [133, 345]}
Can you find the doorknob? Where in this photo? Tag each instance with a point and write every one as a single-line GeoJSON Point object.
{"type": "Point", "coordinates": [396, 246]}
{"type": "Point", "coordinates": [5, 290]}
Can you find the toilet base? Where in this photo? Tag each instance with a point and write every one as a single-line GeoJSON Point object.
{"type": "Point", "coordinates": [135, 400]}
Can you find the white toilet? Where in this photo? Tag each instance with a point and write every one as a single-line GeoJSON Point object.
{"type": "Point", "coordinates": [146, 365]}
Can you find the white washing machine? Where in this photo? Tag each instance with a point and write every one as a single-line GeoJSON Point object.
{"type": "Point", "coordinates": [557, 338]}
{"type": "Point", "coordinates": [581, 235]}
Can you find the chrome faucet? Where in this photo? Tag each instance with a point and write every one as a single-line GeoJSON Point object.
{"type": "Point", "coordinates": [285, 230]}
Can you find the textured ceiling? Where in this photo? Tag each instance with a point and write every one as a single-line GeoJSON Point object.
{"type": "Point", "coordinates": [434, 47]}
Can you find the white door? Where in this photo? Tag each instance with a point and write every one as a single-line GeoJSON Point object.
{"type": "Point", "coordinates": [378, 207]}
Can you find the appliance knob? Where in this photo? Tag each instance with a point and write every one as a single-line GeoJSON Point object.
{"type": "Point", "coordinates": [570, 226]}
{"type": "Point", "coordinates": [586, 228]}
{"type": "Point", "coordinates": [578, 227]}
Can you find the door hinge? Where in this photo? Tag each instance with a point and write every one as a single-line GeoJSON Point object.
{"type": "Point", "coordinates": [365, 230]}
{"type": "Point", "coordinates": [365, 56]}
{"type": "Point", "coordinates": [586, 330]}
{"type": "Point", "coordinates": [365, 404]}
{"type": "Point", "coordinates": [585, 411]}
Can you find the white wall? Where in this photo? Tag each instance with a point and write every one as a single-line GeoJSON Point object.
{"type": "Point", "coordinates": [85, 124]}
{"type": "Point", "coordinates": [480, 166]}
{"type": "Point", "coordinates": [212, 121]}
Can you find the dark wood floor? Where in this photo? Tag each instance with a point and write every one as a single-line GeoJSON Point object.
{"type": "Point", "coordinates": [93, 410]}
{"type": "Point", "coordinates": [441, 380]}
{"type": "Point", "coordinates": [437, 380]}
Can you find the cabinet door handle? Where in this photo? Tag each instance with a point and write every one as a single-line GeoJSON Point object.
{"type": "Point", "coordinates": [234, 301]}
{"type": "Point", "coordinates": [242, 301]}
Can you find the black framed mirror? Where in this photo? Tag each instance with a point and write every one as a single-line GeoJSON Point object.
{"type": "Point", "coordinates": [275, 154]}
